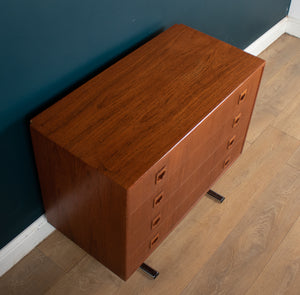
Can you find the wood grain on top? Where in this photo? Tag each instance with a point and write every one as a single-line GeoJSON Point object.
{"type": "Point", "coordinates": [122, 121]}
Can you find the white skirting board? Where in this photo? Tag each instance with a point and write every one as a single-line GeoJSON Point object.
{"type": "Point", "coordinates": [21, 245]}
{"type": "Point", "coordinates": [40, 229]}
{"type": "Point", "coordinates": [267, 38]}
{"type": "Point", "coordinates": [293, 27]}
{"type": "Point", "coordinates": [287, 25]}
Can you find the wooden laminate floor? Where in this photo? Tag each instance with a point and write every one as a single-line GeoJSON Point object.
{"type": "Point", "coordinates": [250, 244]}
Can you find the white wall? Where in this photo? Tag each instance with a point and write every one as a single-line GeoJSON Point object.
{"type": "Point", "coordinates": [293, 23]}
{"type": "Point", "coordinates": [295, 9]}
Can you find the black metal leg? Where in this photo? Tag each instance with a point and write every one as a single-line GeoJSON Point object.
{"type": "Point", "coordinates": [216, 196]}
{"type": "Point", "coordinates": [149, 270]}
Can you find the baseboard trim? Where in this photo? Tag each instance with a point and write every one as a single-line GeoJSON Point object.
{"type": "Point", "coordinates": [20, 246]}
{"type": "Point", "coordinates": [293, 27]}
{"type": "Point", "coordinates": [267, 38]}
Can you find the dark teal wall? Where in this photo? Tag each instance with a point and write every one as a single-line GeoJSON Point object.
{"type": "Point", "coordinates": [49, 47]}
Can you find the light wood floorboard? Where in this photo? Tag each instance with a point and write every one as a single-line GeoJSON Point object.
{"type": "Point", "coordinates": [294, 161]}
{"type": "Point", "coordinates": [282, 274]}
{"type": "Point", "coordinates": [240, 259]}
{"type": "Point", "coordinates": [280, 84]}
{"type": "Point", "coordinates": [61, 250]}
{"type": "Point", "coordinates": [249, 244]}
{"type": "Point", "coordinates": [34, 274]}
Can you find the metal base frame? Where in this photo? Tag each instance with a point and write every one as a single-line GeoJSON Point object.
{"type": "Point", "coordinates": [216, 196]}
{"type": "Point", "coordinates": [149, 271]}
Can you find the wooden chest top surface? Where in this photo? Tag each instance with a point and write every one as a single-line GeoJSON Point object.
{"type": "Point", "coordinates": [128, 117]}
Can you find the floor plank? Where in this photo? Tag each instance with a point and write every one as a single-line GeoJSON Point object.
{"type": "Point", "coordinates": [279, 86]}
{"type": "Point", "coordinates": [238, 262]}
{"type": "Point", "coordinates": [278, 55]}
{"type": "Point", "coordinates": [34, 274]}
{"type": "Point", "coordinates": [294, 161]}
{"type": "Point", "coordinates": [282, 273]}
{"type": "Point", "coordinates": [87, 277]}
{"type": "Point", "coordinates": [289, 120]}
{"type": "Point", "coordinates": [61, 250]}
{"type": "Point", "coordinates": [282, 89]}
{"type": "Point", "coordinates": [262, 117]}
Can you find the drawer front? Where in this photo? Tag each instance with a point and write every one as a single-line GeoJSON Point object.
{"type": "Point", "coordinates": [149, 217]}
{"type": "Point", "coordinates": [243, 102]}
{"type": "Point", "coordinates": [223, 159]}
{"type": "Point", "coordinates": [187, 203]}
{"type": "Point", "coordinates": [149, 244]}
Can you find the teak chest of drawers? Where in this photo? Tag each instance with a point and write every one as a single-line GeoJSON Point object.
{"type": "Point", "coordinates": [125, 156]}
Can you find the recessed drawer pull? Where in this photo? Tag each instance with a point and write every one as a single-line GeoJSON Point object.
{"type": "Point", "coordinates": [236, 120]}
{"type": "Point", "coordinates": [230, 142]}
{"type": "Point", "coordinates": [226, 162]}
{"type": "Point", "coordinates": [154, 241]}
{"type": "Point", "coordinates": [158, 199]}
{"type": "Point", "coordinates": [242, 96]}
{"type": "Point", "coordinates": [155, 222]}
{"type": "Point", "coordinates": [160, 175]}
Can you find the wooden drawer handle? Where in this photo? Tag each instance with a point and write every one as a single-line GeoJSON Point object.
{"type": "Point", "coordinates": [236, 120]}
{"type": "Point", "coordinates": [160, 175]}
{"type": "Point", "coordinates": [154, 241]}
{"type": "Point", "coordinates": [158, 199]}
{"type": "Point", "coordinates": [155, 221]}
{"type": "Point", "coordinates": [242, 96]}
{"type": "Point", "coordinates": [230, 142]}
{"type": "Point", "coordinates": [226, 162]}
